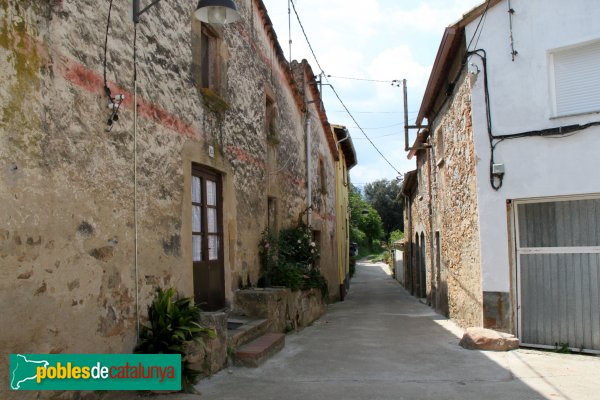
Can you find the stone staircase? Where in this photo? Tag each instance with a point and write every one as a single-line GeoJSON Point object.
{"type": "Point", "coordinates": [251, 340]}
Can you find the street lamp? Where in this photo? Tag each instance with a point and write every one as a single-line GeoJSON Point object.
{"type": "Point", "coordinates": [211, 11]}
{"type": "Point", "coordinates": [217, 12]}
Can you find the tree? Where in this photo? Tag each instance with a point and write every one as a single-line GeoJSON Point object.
{"type": "Point", "coordinates": [365, 223]}
{"type": "Point", "coordinates": [385, 197]}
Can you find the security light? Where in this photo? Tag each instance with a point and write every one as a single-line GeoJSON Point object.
{"type": "Point", "coordinates": [217, 12]}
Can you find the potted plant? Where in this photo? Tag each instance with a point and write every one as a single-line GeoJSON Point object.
{"type": "Point", "coordinates": [173, 325]}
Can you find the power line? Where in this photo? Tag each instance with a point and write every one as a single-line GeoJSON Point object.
{"type": "Point", "coordinates": [378, 128]}
{"type": "Point", "coordinates": [306, 37]}
{"type": "Point", "coordinates": [362, 130]}
{"type": "Point", "coordinates": [379, 137]}
{"type": "Point", "coordinates": [373, 112]}
{"type": "Point", "coordinates": [336, 93]}
{"type": "Point", "coordinates": [363, 79]}
{"type": "Point", "coordinates": [487, 6]}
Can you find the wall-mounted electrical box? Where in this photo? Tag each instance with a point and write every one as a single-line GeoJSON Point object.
{"type": "Point", "coordinates": [498, 169]}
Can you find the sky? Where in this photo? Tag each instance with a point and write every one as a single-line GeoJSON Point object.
{"type": "Point", "coordinates": [372, 39]}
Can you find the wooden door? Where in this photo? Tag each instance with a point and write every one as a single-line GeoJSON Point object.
{"type": "Point", "coordinates": [207, 239]}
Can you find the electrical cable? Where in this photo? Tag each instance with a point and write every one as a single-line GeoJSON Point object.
{"type": "Point", "coordinates": [379, 137]}
{"type": "Point", "coordinates": [481, 30]}
{"type": "Point", "coordinates": [362, 79]}
{"type": "Point", "coordinates": [135, 182]}
{"type": "Point", "coordinates": [495, 140]}
{"type": "Point", "coordinates": [106, 88]}
{"type": "Point", "coordinates": [373, 112]}
{"type": "Point", "coordinates": [335, 92]}
{"type": "Point", "coordinates": [487, 6]}
{"type": "Point", "coordinates": [114, 103]}
{"type": "Point", "coordinates": [306, 37]}
{"type": "Point", "coordinates": [361, 129]}
{"type": "Point", "coordinates": [378, 128]}
{"type": "Point", "coordinates": [290, 30]}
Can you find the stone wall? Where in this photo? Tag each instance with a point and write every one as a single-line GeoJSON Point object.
{"type": "Point", "coordinates": [285, 309]}
{"type": "Point", "coordinates": [455, 211]}
{"type": "Point", "coordinates": [67, 183]}
{"type": "Point", "coordinates": [444, 228]}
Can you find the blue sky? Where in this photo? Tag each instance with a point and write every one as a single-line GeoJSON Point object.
{"type": "Point", "coordinates": [389, 39]}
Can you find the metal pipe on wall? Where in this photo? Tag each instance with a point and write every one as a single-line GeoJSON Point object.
{"type": "Point", "coordinates": [308, 169]}
{"type": "Point", "coordinates": [405, 90]}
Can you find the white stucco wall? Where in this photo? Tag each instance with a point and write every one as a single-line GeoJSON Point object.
{"type": "Point", "coordinates": [521, 101]}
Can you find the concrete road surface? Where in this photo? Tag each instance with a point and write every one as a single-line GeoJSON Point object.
{"type": "Point", "coordinates": [381, 343]}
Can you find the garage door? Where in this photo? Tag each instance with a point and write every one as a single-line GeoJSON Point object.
{"type": "Point", "coordinates": [558, 273]}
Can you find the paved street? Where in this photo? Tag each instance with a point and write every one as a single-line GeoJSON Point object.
{"type": "Point", "coordinates": [383, 344]}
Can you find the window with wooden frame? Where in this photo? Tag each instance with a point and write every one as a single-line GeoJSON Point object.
{"type": "Point", "coordinates": [206, 58]}
{"type": "Point", "coordinates": [209, 47]}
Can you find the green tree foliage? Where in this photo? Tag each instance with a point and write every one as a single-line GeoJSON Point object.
{"type": "Point", "coordinates": [385, 197]}
{"type": "Point", "coordinates": [395, 236]}
{"type": "Point", "coordinates": [365, 223]}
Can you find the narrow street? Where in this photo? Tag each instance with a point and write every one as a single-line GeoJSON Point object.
{"type": "Point", "coordinates": [381, 343]}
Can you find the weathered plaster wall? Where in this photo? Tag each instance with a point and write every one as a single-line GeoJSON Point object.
{"type": "Point", "coordinates": [455, 211]}
{"type": "Point", "coordinates": [322, 166]}
{"type": "Point", "coordinates": [67, 240]}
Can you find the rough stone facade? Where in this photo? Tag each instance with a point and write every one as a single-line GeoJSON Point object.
{"type": "Point", "coordinates": [444, 215]}
{"type": "Point", "coordinates": [67, 252]}
{"type": "Point", "coordinates": [285, 309]}
{"type": "Point", "coordinates": [457, 274]}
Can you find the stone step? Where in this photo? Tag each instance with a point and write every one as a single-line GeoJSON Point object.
{"type": "Point", "coordinates": [258, 351]}
{"type": "Point", "coordinates": [242, 330]}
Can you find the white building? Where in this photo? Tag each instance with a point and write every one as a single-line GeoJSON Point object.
{"type": "Point", "coordinates": [521, 77]}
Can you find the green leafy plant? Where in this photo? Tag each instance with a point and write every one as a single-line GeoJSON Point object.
{"type": "Point", "coordinates": [563, 348]}
{"type": "Point", "coordinates": [173, 324]}
{"type": "Point", "coordinates": [291, 259]}
{"type": "Point", "coordinates": [296, 245]}
{"type": "Point", "coordinates": [289, 275]}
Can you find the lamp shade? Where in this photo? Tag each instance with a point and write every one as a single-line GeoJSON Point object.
{"type": "Point", "coordinates": [217, 11]}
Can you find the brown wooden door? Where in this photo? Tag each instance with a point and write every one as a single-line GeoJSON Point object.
{"type": "Point", "coordinates": [207, 239]}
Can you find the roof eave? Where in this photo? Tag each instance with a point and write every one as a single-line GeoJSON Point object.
{"type": "Point", "coordinates": [446, 53]}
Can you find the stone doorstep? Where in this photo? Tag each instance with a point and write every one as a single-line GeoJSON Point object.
{"type": "Point", "coordinates": [247, 332]}
{"type": "Point", "coordinates": [258, 351]}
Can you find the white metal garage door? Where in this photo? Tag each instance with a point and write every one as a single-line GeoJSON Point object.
{"type": "Point", "coordinates": [558, 273]}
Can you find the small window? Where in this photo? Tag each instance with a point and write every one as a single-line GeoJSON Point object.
{"type": "Point", "coordinates": [209, 59]}
{"type": "Point", "coordinates": [206, 58]}
{"type": "Point", "coordinates": [576, 79]}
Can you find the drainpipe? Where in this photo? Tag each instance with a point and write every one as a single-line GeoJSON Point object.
{"type": "Point", "coordinates": [409, 236]}
{"type": "Point", "coordinates": [405, 90]}
{"type": "Point", "coordinates": [430, 207]}
{"type": "Point", "coordinates": [308, 169]}
{"type": "Point", "coordinates": [337, 144]}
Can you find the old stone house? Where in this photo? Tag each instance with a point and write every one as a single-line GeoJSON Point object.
{"type": "Point", "coordinates": [503, 208]}
{"type": "Point", "coordinates": [230, 139]}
